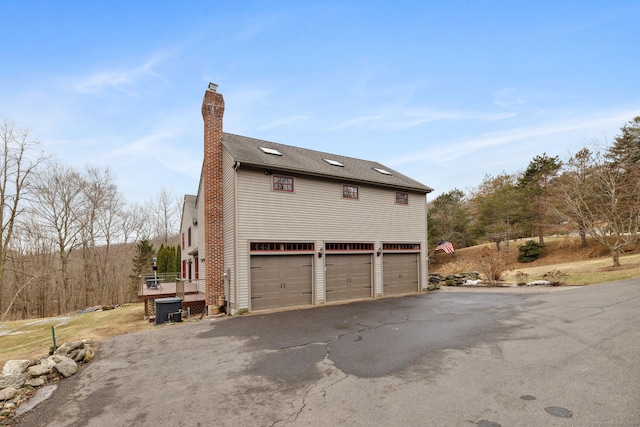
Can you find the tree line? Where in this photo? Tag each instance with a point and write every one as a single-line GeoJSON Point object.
{"type": "Point", "coordinates": [595, 192]}
{"type": "Point", "coordinates": [68, 237]}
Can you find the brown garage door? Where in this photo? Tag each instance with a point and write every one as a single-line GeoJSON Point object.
{"type": "Point", "coordinates": [400, 273]}
{"type": "Point", "coordinates": [281, 281]}
{"type": "Point", "coordinates": [348, 277]}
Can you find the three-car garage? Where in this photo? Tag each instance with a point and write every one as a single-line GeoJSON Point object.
{"type": "Point", "coordinates": [287, 278]}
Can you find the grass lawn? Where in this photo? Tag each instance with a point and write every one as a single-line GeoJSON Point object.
{"type": "Point", "coordinates": [30, 339]}
{"type": "Point", "coordinates": [581, 272]}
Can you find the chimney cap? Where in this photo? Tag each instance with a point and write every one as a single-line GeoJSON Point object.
{"type": "Point", "coordinates": [213, 87]}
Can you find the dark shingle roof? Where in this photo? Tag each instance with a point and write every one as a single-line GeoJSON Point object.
{"type": "Point", "coordinates": [310, 162]}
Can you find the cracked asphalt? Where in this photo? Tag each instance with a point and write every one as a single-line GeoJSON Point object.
{"type": "Point", "coordinates": [489, 358]}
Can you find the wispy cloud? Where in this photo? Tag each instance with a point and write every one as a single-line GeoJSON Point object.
{"type": "Point", "coordinates": [359, 122]}
{"type": "Point", "coordinates": [174, 143]}
{"type": "Point", "coordinates": [407, 118]}
{"type": "Point", "coordinates": [285, 122]}
{"type": "Point", "coordinates": [454, 150]}
{"type": "Point", "coordinates": [120, 79]}
{"type": "Point", "coordinates": [252, 28]}
{"type": "Point", "coordinates": [438, 115]}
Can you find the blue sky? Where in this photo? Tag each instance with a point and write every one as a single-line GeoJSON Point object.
{"type": "Point", "coordinates": [444, 92]}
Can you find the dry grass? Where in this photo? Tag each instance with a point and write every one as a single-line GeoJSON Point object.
{"type": "Point", "coordinates": [30, 339]}
{"type": "Point", "coordinates": [583, 272]}
{"type": "Point", "coordinates": [582, 266]}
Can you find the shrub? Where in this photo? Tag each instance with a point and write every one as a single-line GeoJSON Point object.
{"type": "Point", "coordinates": [530, 251]}
{"type": "Point", "coordinates": [492, 264]}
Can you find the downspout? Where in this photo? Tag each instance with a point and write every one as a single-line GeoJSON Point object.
{"type": "Point", "coordinates": [236, 166]}
{"type": "Point", "coordinates": [426, 238]}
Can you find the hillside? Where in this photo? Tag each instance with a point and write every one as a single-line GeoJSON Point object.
{"type": "Point", "coordinates": [588, 265]}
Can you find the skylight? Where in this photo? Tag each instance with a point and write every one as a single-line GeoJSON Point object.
{"type": "Point", "coordinates": [271, 151]}
{"type": "Point", "coordinates": [334, 162]}
{"type": "Point", "coordinates": [382, 171]}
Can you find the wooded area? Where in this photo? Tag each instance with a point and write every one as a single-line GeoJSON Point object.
{"type": "Point", "coordinates": [68, 238]}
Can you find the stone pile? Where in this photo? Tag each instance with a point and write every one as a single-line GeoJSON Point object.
{"type": "Point", "coordinates": [20, 379]}
{"type": "Point", "coordinates": [434, 281]}
{"type": "Point", "coordinates": [457, 279]}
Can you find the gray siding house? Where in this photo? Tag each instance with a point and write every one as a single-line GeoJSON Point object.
{"type": "Point", "coordinates": [299, 227]}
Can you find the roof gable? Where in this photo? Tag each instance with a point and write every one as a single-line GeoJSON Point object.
{"type": "Point", "coordinates": [189, 208]}
{"type": "Point", "coordinates": [287, 158]}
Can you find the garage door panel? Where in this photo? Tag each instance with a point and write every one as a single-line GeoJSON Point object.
{"type": "Point", "coordinates": [348, 277]}
{"type": "Point", "coordinates": [280, 281]}
{"type": "Point", "coordinates": [400, 273]}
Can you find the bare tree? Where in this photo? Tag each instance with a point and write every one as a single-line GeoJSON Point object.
{"type": "Point", "coordinates": [33, 264]}
{"type": "Point", "coordinates": [602, 198]}
{"type": "Point", "coordinates": [135, 223]}
{"type": "Point", "coordinates": [59, 204]}
{"type": "Point", "coordinates": [20, 158]}
{"type": "Point", "coordinates": [100, 230]}
{"type": "Point", "coordinates": [165, 209]}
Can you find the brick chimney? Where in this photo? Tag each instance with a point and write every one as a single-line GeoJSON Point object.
{"type": "Point", "coordinates": [212, 112]}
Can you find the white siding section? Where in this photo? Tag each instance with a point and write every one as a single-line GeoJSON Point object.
{"type": "Point", "coordinates": [316, 212]}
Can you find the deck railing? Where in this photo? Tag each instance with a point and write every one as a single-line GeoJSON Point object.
{"type": "Point", "coordinates": [180, 286]}
{"type": "Point", "coordinates": [156, 279]}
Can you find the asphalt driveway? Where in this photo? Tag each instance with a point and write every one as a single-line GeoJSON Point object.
{"type": "Point", "coordinates": [485, 358]}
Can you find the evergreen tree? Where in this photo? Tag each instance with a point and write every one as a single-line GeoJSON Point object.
{"type": "Point", "coordinates": [500, 209]}
{"type": "Point", "coordinates": [535, 184]}
{"type": "Point", "coordinates": [449, 219]}
{"type": "Point", "coordinates": [168, 259]}
{"type": "Point", "coordinates": [142, 264]}
{"type": "Point", "coordinates": [178, 262]}
{"type": "Point", "coordinates": [626, 148]}
{"type": "Point", "coordinates": [164, 259]}
{"type": "Point", "coordinates": [143, 259]}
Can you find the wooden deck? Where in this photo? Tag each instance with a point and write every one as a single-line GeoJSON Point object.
{"type": "Point", "coordinates": [192, 299]}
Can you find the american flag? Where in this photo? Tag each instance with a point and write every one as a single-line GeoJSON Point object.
{"type": "Point", "coordinates": [445, 246]}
